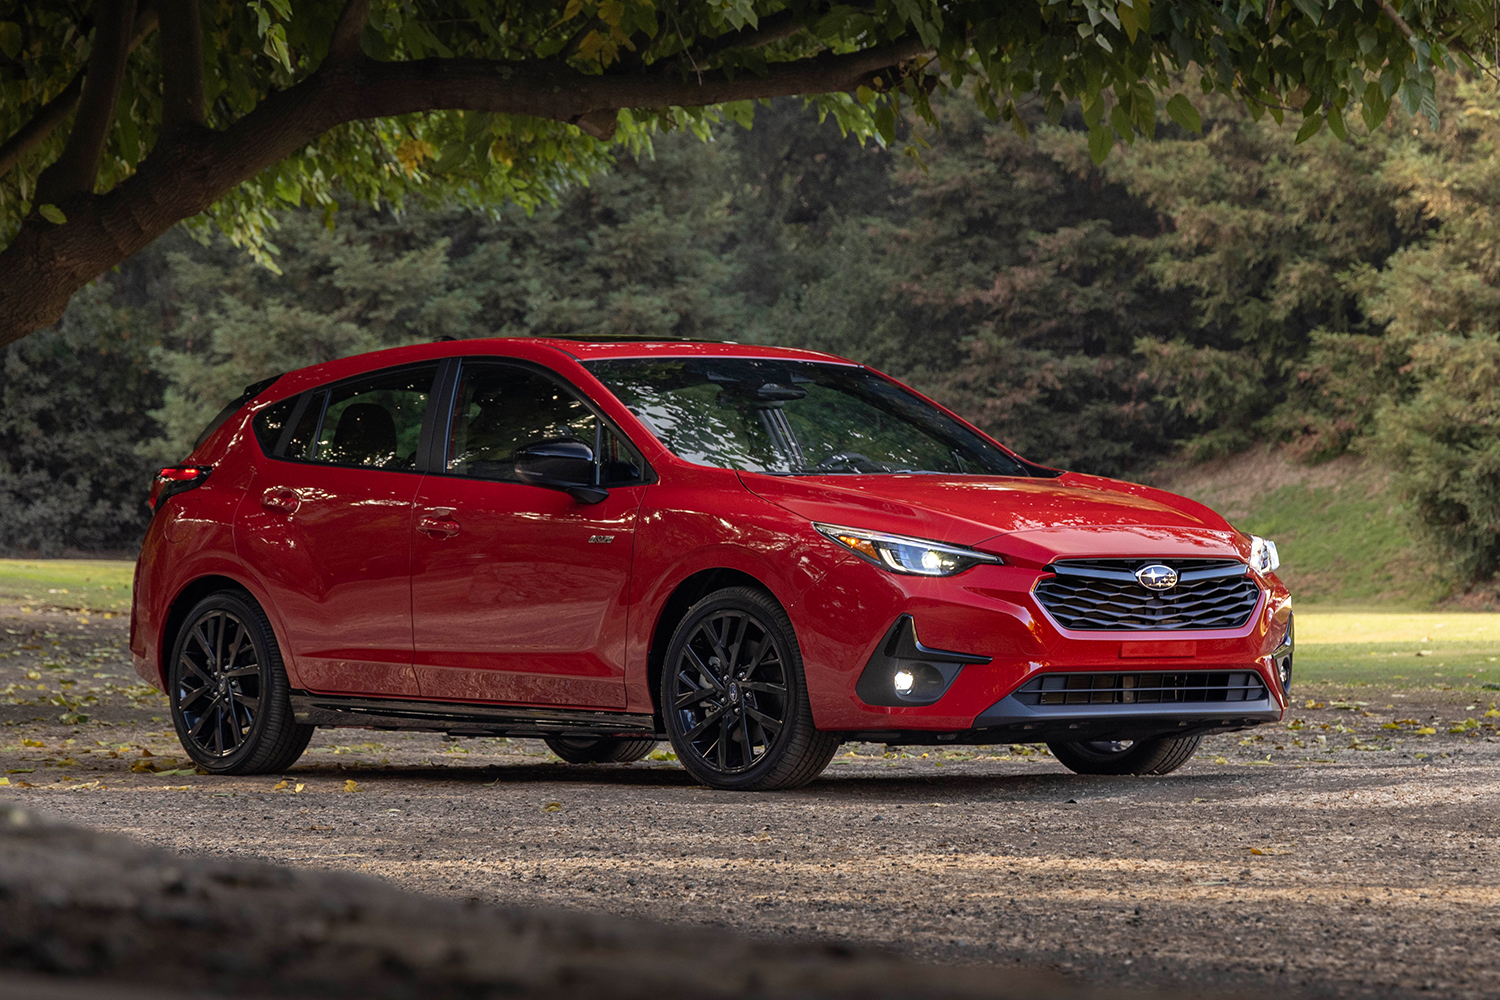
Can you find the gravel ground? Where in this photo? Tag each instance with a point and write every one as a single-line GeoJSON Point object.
{"type": "Point", "coordinates": [1349, 852]}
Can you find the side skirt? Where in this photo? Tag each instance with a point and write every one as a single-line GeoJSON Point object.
{"type": "Point", "coordinates": [459, 719]}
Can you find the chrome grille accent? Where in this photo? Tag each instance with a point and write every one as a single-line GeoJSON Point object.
{"type": "Point", "coordinates": [1193, 687]}
{"type": "Point", "coordinates": [1103, 595]}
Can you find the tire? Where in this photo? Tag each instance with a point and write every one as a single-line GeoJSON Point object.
{"type": "Point", "coordinates": [734, 698]}
{"type": "Point", "coordinates": [607, 750]}
{"type": "Point", "coordinates": [1160, 755]}
{"type": "Point", "coordinates": [228, 690]}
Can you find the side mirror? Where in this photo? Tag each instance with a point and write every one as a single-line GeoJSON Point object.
{"type": "Point", "coordinates": [560, 464]}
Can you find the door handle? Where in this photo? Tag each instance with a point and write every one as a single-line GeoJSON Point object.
{"type": "Point", "coordinates": [438, 524]}
{"type": "Point", "coordinates": [282, 498]}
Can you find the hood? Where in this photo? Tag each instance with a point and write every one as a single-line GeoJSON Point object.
{"type": "Point", "coordinates": [1027, 520]}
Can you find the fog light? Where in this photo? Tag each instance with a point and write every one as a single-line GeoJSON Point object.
{"type": "Point", "coordinates": [903, 682]}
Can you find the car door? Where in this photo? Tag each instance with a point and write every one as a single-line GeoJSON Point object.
{"type": "Point", "coordinates": [328, 525]}
{"type": "Point", "coordinates": [518, 591]}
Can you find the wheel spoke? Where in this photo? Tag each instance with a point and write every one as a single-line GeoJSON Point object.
{"type": "Point", "coordinates": [219, 645]}
{"type": "Point", "coordinates": [745, 732]}
{"type": "Point", "coordinates": [250, 671]}
{"type": "Point", "coordinates": [703, 669]}
{"type": "Point", "coordinates": [724, 724]}
{"type": "Point", "coordinates": [187, 661]}
{"type": "Point", "coordinates": [187, 699]}
{"type": "Point", "coordinates": [764, 687]}
{"type": "Point", "coordinates": [208, 713]}
{"type": "Point", "coordinates": [772, 726]}
{"type": "Point", "coordinates": [697, 697]}
{"type": "Point", "coordinates": [234, 651]}
{"type": "Point", "coordinates": [704, 723]}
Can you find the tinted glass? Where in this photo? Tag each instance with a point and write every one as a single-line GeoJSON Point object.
{"type": "Point", "coordinates": [270, 422]}
{"type": "Point", "coordinates": [795, 418]}
{"type": "Point", "coordinates": [501, 408]}
{"type": "Point", "coordinates": [374, 422]}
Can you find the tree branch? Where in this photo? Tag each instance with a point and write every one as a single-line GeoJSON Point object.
{"type": "Point", "coordinates": [1395, 16]}
{"type": "Point", "coordinates": [78, 166]}
{"type": "Point", "coordinates": [41, 125]}
{"type": "Point", "coordinates": [186, 173]}
{"type": "Point", "coordinates": [348, 31]}
{"type": "Point", "coordinates": [552, 90]}
{"type": "Point", "coordinates": [55, 111]}
{"type": "Point", "coordinates": [181, 65]}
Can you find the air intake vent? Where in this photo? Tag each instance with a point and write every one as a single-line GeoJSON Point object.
{"type": "Point", "coordinates": [1103, 595]}
{"type": "Point", "coordinates": [1195, 687]}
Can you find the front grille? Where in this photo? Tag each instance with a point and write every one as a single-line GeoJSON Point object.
{"type": "Point", "coordinates": [1103, 595]}
{"type": "Point", "coordinates": [1195, 687]}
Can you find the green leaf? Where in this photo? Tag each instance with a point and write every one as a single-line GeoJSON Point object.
{"type": "Point", "coordinates": [1101, 141]}
{"type": "Point", "coordinates": [1336, 124]}
{"type": "Point", "coordinates": [1312, 8]}
{"type": "Point", "coordinates": [885, 123]}
{"type": "Point", "coordinates": [1120, 119]}
{"type": "Point", "coordinates": [1181, 111]}
{"type": "Point", "coordinates": [10, 38]}
{"type": "Point", "coordinates": [1309, 128]}
{"type": "Point", "coordinates": [52, 214]}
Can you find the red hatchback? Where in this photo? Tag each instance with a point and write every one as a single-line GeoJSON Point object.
{"type": "Point", "coordinates": [755, 553]}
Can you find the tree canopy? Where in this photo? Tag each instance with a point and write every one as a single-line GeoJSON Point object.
{"type": "Point", "coordinates": [122, 118]}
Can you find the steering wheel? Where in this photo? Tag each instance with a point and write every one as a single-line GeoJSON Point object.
{"type": "Point", "coordinates": [852, 461]}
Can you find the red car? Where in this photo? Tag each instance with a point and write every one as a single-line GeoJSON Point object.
{"type": "Point", "coordinates": [755, 553]}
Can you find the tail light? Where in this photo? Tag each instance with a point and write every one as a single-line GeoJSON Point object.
{"type": "Point", "coordinates": [175, 479]}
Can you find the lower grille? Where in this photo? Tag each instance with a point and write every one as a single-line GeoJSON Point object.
{"type": "Point", "coordinates": [1195, 687]}
{"type": "Point", "coordinates": [1103, 595]}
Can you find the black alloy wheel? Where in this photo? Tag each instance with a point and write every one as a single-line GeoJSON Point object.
{"type": "Point", "coordinates": [228, 690]}
{"type": "Point", "coordinates": [733, 697]}
{"type": "Point", "coordinates": [601, 750]}
{"type": "Point", "coordinates": [1158, 755]}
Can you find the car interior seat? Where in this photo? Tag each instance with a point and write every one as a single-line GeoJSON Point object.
{"type": "Point", "coordinates": [365, 435]}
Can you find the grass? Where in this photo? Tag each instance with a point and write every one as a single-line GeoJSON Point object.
{"type": "Point", "coordinates": [92, 584]}
{"type": "Point", "coordinates": [1387, 649]}
{"type": "Point", "coordinates": [1339, 526]}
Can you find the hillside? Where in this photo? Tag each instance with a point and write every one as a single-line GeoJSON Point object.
{"type": "Point", "coordinates": [1338, 526]}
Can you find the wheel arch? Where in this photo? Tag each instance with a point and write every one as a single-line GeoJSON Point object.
{"type": "Point", "coordinates": [688, 592]}
{"type": "Point", "coordinates": [193, 592]}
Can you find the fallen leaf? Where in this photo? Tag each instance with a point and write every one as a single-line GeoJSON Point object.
{"type": "Point", "coordinates": [20, 770]}
{"type": "Point", "coordinates": [298, 788]}
{"type": "Point", "coordinates": [23, 784]}
{"type": "Point", "coordinates": [552, 807]}
{"type": "Point", "coordinates": [1221, 760]}
{"type": "Point", "coordinates": [175, 788]}
{"type": "Point", "coordinates": [351, 785]}
{"type": "Point", "coordinates": [32, 743]}
{"type": "Point", "coordinates": [1257, 850]}
{"type": "Point", "coordinates": [281, 785]}
{"type": "Point", "coordinates": [4, 781]}
{"type": "Point", "coordinates": [1426, 731]}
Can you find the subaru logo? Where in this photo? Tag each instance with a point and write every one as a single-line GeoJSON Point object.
{"type": "Point", "coordinates": [1156, 577]}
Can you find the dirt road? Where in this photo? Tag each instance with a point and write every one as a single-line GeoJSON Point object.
{"type": "Point", "coordinates": [1349, 852]}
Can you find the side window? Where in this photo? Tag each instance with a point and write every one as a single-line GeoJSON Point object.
{"type": "Point", "coordinates": [375, 421]}
{"type": "Point", "coordinates": [500, 408]}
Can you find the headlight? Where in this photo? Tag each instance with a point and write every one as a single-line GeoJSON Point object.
{"type": "Point", "coordinates": [901, 554]}
{"type": "Point", "coordinates": [1263, 555]}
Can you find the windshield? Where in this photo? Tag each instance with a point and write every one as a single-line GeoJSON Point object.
{"type": "Point", "coordinates": [795, 418]}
